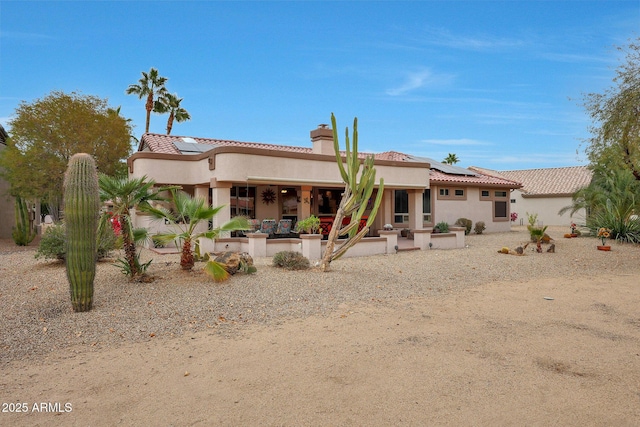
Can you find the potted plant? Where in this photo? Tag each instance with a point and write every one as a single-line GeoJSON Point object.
{"type": "Point", "coordinates": [309, 225]}
{"type": "Point", "coordinates": [603, 234]}
{"type": "Point", "coordinates": [573, 229]}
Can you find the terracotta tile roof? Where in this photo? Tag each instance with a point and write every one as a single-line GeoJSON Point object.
{"type": "Point", "coordinates": [547, 181]}
{"type": "Point", "coordinates": [479, 179]}
{"type": "Point", "coordinates": [159, 143]}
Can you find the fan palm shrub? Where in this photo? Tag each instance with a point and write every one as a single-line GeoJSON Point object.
{"type": "Point", "coordinates": [126, 194]}
{"type": "Point", "coordinates": [186, 222]}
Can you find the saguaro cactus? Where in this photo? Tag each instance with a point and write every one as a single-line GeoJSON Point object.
{"type": "Point", "coordinates": [355, 197]}
{"type": "Point", "coordinates": [81, 206]}
{"type": "Point", "coordinates": [23, 233]}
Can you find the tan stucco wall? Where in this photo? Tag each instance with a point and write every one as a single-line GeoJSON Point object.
{"type": "Point", "coordinates": [547, 209]}
{"type": "Point", "coordinates": [238, 167]}
{"type": "Point", "coordinates": [472, 208]}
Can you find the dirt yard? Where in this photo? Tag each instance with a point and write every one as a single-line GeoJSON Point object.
{"type": "Point", "coordinates": [552, 351]}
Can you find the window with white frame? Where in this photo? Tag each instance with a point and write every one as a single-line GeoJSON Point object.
{"type": "Point", "coordinates": [401, 207]}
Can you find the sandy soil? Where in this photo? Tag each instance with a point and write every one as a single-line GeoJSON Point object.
{"type": "Point", "coordinates": [537, 353]}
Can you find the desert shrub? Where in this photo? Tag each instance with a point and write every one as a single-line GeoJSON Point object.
{"type": "Point", "coordinates": [620, 219]}
{"type": "Point", "coordinates": [53, 245]}
{"type": "Point", "coordinates": [442, 227]}
{"type": "Point", "coordinates": [290, 260]}
{"type": "Point", "coordinates": [479, 227]}
{"type": "Point", "coordinates": [466, 223]}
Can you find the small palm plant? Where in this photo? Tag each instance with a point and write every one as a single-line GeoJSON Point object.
{"type": "Point", "coordinates": [187, 222]}
{"type": "Point", "coordinates": [126, 194]}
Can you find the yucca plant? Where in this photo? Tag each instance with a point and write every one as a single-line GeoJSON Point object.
{"type": "Point", "coordinates": [357, 192]}
{"type": "Point", "coordinates": [186, 220]}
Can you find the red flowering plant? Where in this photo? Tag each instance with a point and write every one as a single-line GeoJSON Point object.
{"type": "Point", "coordinates": [514, 216]}
{"type": "Point", "coordinates": [115, 224]}
{"type": "Point", "coordinates": [573, 227]}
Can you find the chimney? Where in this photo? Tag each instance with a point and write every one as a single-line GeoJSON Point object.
{"type": "Point", "coordinates": [322, 139]}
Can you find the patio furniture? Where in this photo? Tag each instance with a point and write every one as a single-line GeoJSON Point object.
{"type": "Point", "coordinates": [284, 226]}
{"type": "Point", "coordinates": [268, 226]}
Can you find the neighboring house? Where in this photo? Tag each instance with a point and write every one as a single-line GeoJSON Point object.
{"type": "Point", "coordinates": [266, 181]}
{"type": "Point", "coordinates": [545, 192]}
{"type": "Point", "coordinates": [7, 209]}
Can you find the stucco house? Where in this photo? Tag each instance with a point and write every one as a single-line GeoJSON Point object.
{"type": "Point", "coordinates": [545, 192]}
{"type": "Point", "coordinates": [266, 181]}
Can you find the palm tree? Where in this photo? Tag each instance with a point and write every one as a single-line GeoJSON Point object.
{"type": "Point", "coordinates": [451, 159]}
{"type": "Point", "coordinates": [151, 86]}
{"type": "Point", "coordinates": [189, 214]}
{"type": "Point", "coordinates": [170, 103]}
{"type": "Point", "coordinates": [125, 194]}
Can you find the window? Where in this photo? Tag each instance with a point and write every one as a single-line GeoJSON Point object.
{"type": "Point", "coordinates": [452, 194]}
{"type": "Point", "coordinates": [500, 200]}
{"type": "Point", "coordinates": [243, 201]}
{"type": "Point", "coordinates": [426, 206]}
{"type": "Point", "coordinates": [500, 209]}
{"type": "Point", "coordinates": [401, 207]}
{"type": "Point", "coordinates": [329, 200]}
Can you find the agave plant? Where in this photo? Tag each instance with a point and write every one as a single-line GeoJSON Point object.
{"type": "Point", "coordinates": [187, 223]}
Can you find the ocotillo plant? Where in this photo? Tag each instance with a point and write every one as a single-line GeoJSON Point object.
{"type": "Point", "coordinates": [23, 233]}
{"type": "Point", "coordinates": [355, 197]}
{"type": "Point", "coordinates": [81, 206]}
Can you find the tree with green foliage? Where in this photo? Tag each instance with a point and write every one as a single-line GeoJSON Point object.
{"type": "Point", "coordinates": [126, 194]}
{"type": "Point", "coordinates": [615, 134]}
{"type": "Point", "coordinates": [355, 198]}
{"type": "Point", "coordinates": [170, 103]}
{"type": "Point", "coordinates": [150, 87]}
{"type": "Point", "coordinates": [47, 132]}
{"type": "Point", "coordinates": [451, 159]}
{"type": "Point", "coordinates": [189, 220]}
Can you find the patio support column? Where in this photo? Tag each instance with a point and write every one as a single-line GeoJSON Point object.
{"type": "Point", "coordinates": [392, 240]}
{"type": "Point", "coordinates": [257, 244]}
{"type": "Point", "coordinates": [221, 195]}
{"type": "Point", "coordinates": [422, 238]}
{"type": "Point", "coordinates": [305, 202]}
{"type": "Point", "coordinates": [386, 208]}
{"type": "Point", "coordinates": [311, 246]}
{"type": "Point", "coordinates": [415, 209]}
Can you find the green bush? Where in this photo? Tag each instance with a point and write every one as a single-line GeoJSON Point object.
{"type": "Point", "coordinates": [52, 244]}
{"type": "Point", "coordinates": [442, 227]}
{"type": "Point", "coordinates": [466, 223]}
{"type": "Point", "coordinates": [290, 260]}
{"type": "Point", "coordinates": [479, 227]}
{"type": "Point", "coordinates": [620, 219]}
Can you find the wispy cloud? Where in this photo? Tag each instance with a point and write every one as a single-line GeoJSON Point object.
{"type": "Point", "coordinates": [17, 35]}
{"type": "Point", "coordinates": [454, 142]}
{"type": "Point", "coordinates": [443, 37]}
{"type": "Point", "coordinates": [417, 80]}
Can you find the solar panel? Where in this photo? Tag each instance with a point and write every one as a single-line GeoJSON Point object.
{"type": "Point", "coordinates": [192, 147]}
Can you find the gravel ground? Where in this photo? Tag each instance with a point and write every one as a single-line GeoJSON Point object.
{"type": "Point", "coordinates": [37, 318]}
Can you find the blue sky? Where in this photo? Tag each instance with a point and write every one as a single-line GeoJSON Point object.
{"type": "Point", "coordinates": [498, 83]}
